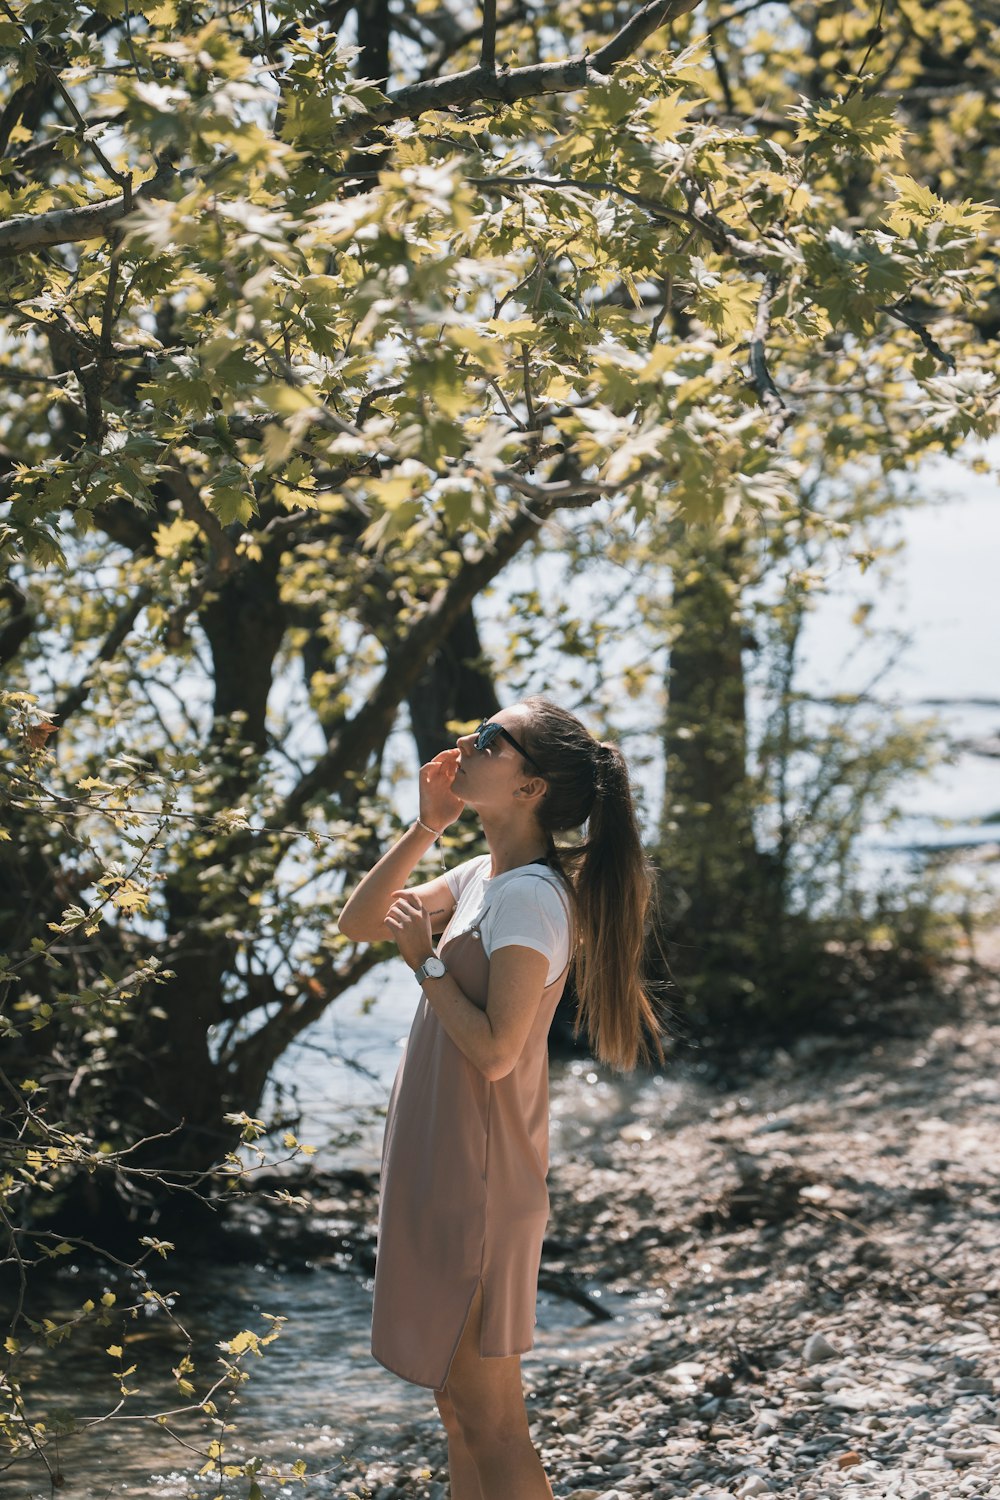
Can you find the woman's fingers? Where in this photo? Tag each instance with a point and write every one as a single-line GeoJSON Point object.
{"type": "Point", "coordinates": [405, 905]}
{"type": "Point", "coordinates": [446, 760]}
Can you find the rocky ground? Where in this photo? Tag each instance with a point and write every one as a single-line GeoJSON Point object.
{"type": "Point", "coordinates": [827, 1242]}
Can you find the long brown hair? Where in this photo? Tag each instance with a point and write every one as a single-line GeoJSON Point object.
{"type": "Point", "coordinates": [608, 875]}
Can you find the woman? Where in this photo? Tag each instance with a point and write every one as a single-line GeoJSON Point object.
{"type": "Point", "coordinates": [463, 1198]}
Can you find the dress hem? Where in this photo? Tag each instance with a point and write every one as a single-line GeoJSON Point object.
{"type": "Point", "coordinates": [430, 1385]}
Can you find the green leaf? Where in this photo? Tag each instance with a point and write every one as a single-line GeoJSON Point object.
{"type": "Point", "coordinates": [917, 204]}
{"type": "Point", "coordinates": [866, 126]}
{"type": "Point", "coordinates": [231, 504]}
{"type": "Point", "coordinates": [668, 116]}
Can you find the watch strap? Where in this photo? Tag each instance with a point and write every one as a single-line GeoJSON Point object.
{"type": "Point", "coordinates": [432, 968]}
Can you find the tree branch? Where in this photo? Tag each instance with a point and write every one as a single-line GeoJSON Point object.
{"type": "Point", "coordinates": [227, 559]}
{"type": "Point", "coordinates": [70, 225]}
{"type": "Point", "coordinates": [928, 340]}
{"type": "Point", "coordinates": [15, 631]}
{"type": "Point", "coordinates": [488, 55]}
{"type": "Point", "coordinates": [452, 44]}
{"type": "Point", "coordinates": [509, 85]}
{"type": "Point", "coordinates": [564, 493]}
{"type": "Point", "coordinates": [124, 621]}
{"type": "Point", "coordinates": [63, 226]}
{"type": "Point", "coordinates": [700, 219]}
{"type": "Point", "coordinates": [406, 662]}
{"type": "Point", "coordinates": [259, 1051]}
{"type": "Point", "coordinates": [645, 21]}
{"type": "Point", "coordinates": [771, 398]}
{"type": "Point", "coordinates": [123, 179]}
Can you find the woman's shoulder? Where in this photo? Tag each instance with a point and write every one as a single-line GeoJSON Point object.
{"type": "Point", "coordinates": [539, 874]}
{"type": "Point", "coordinates": [536, 884]}
{"type": "Point", "coordinates": [462, 875]}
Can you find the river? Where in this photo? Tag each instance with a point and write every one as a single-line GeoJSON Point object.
{"type": "Point", "coordinates": [316, 1395]}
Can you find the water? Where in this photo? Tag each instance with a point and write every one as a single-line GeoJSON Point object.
{"type": "Point", "coordinates": [942, 600]}
{"type": "Point", "coordinates": [316, 1395]}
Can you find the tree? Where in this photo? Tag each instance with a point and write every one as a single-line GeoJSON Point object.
{"type": "Point", "coordinates": [298, 363]}
{"type": "Point", "coordinates": [728, 878]}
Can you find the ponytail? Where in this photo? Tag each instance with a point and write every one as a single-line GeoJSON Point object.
{"type": "Point", "coordinates": [609, 878]}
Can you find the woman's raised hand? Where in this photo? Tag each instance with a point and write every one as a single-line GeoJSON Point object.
{"type": "Point", "coordinates": [411, 927]}
{"type": "Point", "coordinates": [438, 804]}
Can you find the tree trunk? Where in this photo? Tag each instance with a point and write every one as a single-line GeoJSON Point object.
{"type": "Point", "coordinates": [458, 684]}
{"type": "Point", "coordinates": [244, 621]}
{"type": "Point", "coordinates": [708, 859]}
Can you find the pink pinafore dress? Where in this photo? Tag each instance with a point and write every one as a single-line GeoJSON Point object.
{"type": "Point", "coordinates": [463, 1199]}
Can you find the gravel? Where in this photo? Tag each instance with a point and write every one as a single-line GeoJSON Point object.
{"type": "Point", "coordinates": [825, 1243]}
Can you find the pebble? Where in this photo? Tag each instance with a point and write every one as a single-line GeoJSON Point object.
{"type": "Point", "coordinates": [818, 1348]}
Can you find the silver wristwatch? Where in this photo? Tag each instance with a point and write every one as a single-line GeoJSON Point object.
{"type": "Point", "coordinates": [431, 968]}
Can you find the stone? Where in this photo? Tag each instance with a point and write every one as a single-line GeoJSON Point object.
{"type": "Point", "coordinates": [817, 1349]}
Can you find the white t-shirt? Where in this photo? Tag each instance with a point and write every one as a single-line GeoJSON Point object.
{"type": "Point", "coordinates": [527, 908]}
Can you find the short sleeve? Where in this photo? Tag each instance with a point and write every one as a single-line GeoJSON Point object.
{"type": "Point", "coordinates": [462, 875]}
{"type": "Point", "coordinates": [530, 912]}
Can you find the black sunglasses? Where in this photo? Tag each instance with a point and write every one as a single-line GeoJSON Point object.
{"type": "Point", "coordinates": [489, 731]}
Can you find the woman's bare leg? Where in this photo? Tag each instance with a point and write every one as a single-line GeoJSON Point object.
{"type": "Point", "coordinates": [461, 1467]}
{"type": "Point", "coordinates": [488, 1402]}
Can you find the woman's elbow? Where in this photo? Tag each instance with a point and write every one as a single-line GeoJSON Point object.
{"type": "Point", "coordinates": [357, 931]}
{"type": "Point", "coordinates": [349, 927]}
{"type": "Point", "coordinates": [497, 1066]}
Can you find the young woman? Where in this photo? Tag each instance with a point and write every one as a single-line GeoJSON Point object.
{"type": "Point", "coordinates": [463, 1198]}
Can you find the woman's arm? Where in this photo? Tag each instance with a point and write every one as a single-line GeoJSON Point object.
{"type": "Point", "coordinates": [363, 917]}
{"type": "Point", "coordinates": [492, 1039]}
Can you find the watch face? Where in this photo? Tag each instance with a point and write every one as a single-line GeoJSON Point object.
{"type": "Point", "coordinates": [434, 968]}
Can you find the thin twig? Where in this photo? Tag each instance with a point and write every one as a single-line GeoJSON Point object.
{"type": "Point", "coordinates": [929, 342]}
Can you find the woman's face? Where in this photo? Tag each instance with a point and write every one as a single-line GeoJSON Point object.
{"type": "Point", "coordinates": [494, 776]}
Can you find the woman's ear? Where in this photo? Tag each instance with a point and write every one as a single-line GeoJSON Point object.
{"type": "Point", "coordinates": [532, 789]}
